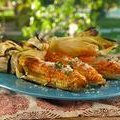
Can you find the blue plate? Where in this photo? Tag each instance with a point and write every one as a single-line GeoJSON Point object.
{"type": "Point", "coordinates": [11, 82]}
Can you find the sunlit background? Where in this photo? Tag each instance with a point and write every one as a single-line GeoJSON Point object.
{"type": "Point", "coordinates": [21, 19]}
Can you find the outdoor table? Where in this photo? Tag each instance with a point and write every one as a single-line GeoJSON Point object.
{"type": "Point", "coordinates": [16, 106]}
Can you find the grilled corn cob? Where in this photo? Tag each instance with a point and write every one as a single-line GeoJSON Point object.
{"type": "Point", "coordinates": [48, 74]}
{"type": "Point", "coordinates": [86, 70]}
{"type": "Point", "coordinates": [108, 66]}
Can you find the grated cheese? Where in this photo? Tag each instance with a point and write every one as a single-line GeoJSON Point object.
{"type": "Point", "coordinates": [52, 64]}
{"type": "Point", "coordinates": [67, 68]}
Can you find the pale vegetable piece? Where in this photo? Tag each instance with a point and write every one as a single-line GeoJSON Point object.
{"type": "Point", "coordinates": [84, 44]}
{"type": "Point", "coordinates": [73, 46]}
{"type": "Point", "coordinates": [29, 52]}
{"type": "Point", "coordinates": [4, 63]}
{"type": "Point", "coordinates": [35, 43]}
{"type": "Point", "coordinates": [8, 45]}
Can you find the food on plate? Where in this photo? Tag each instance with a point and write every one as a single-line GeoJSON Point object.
{"type": "Point", "coordinates": [35, 43]}
{"type": "Point", "coordinates": [51, 74]}
{"type": "Point", "coordinates": [92, 76]}
{"type": "Point", "coordinates": [3, 63]}
{"type": "Point", "coordinates": [108, 66]}
{"type": "Point", "coordinates": [68, 63]}
{"type": "Point", "coordinates": [15, 67]}
{"type": "Point", "coordinates": [7, 46]}
{"type": "Point", "coordinates": [73, 46]}
{"type": "Point", "coordinates": [83, 44]}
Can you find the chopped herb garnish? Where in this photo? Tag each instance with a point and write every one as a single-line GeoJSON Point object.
{"type": "Point", "coordinates": [109, 59]}
{"type": "Point", "coordinates": [70, 63]}
{"type": "Point", "coordinates": [67, 72]}
{"type": "Point", "coordinates": [58, 65]}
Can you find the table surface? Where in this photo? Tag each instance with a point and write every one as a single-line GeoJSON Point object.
{"type": "Point", "coordinates": [91, 118]}
{"type": "Point", "coordinates": [19, 106]}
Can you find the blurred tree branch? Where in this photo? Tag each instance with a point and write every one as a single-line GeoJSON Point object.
{"type": "Point", "coordinates": [57, 15]}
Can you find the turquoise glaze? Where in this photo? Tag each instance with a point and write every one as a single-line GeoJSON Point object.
{"type": "Point", "coordinates": [11, 82]}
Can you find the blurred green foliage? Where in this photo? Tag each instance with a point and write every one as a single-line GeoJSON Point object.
{"type": "Point", "coordinates": [55, 16]}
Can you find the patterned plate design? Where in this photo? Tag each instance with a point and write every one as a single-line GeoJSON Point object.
{"type": "Point", "coordinates": [11, 82]}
